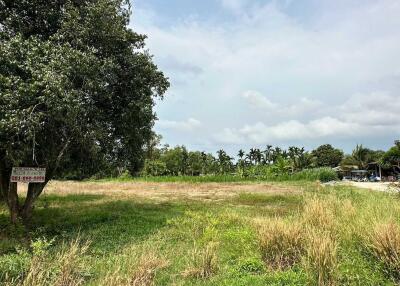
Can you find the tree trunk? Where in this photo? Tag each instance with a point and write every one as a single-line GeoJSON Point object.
{"type": "Point", "coordinates": [4, 185]}
{"type": "Point", "coordinates": [13, 203]}
{"type": "Point", "coordinates": [34, 190]}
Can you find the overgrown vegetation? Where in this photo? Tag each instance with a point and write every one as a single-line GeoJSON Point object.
{"type": "Point", "coordinates": [333, 235]}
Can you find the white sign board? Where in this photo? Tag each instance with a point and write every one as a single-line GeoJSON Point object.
{"type": "Point", "coordinates": [28, 175]}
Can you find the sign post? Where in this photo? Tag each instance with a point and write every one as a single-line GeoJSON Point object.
{"type": "Point", "coordinates": [28, 175]}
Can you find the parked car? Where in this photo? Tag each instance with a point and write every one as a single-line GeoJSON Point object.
{"type": "Point", "coordinates": [375, 179]}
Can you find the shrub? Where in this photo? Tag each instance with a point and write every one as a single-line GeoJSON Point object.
{"type": "Point", "coordinates": [281, 244]}
{"type": "Point", "coordinates": [321, 174]}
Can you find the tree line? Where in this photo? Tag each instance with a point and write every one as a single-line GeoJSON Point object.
{"type": "Point", "coordinates": [179, 161]}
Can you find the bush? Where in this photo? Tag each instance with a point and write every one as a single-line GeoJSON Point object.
{"type": "Point", "coordinates": [321, 174]}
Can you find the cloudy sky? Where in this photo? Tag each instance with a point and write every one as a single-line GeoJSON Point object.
{"type": "Point", "coordinates": [246, 73]}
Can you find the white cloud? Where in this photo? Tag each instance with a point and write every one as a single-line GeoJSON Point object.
{"type": "Point", "coordinates": [372, 109]}
{"type": "Point", "coordinates": [257, 100]}
{"type": "Point", "coordinates": [293, 130]}
{"type": "Point", "coordinates": [372, 114]}
{"type": "Point", "coordinates": [234, 5]}
{"type": "Point", "coordinates": [190, 124]}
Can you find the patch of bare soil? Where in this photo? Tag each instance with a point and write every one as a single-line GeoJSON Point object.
{"type": "Point", "coordinates": [166, 191]}
{"type": "Point", "coordinates": [376, 186]}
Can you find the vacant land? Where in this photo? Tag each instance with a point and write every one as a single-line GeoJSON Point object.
{"type": "Point", "coordinates": [163, 233]}
{"type": "Point", "coordinates": [376, 186]}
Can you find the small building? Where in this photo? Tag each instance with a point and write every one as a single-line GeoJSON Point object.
{"type": "Point", "coordinates": [359, 175]}
{"type": "Point", "coordinates": [388, 174]}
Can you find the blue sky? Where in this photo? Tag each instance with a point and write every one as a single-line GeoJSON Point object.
{"type": "Point", "coordinates": [291, 72]}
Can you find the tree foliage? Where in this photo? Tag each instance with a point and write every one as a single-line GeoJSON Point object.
{"type": "Point", "coordinates": [77, 88]}
{"type": "Point", "coordinates": [327, 156]}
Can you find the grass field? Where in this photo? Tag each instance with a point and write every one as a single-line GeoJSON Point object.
{"type": "Point", "coordinates": [204, 233]}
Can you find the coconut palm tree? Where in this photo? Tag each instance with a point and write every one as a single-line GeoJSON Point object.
{"type": "Point", "coordinates": [268, 154]}
{"type": "Point", "coordinates": [251, 156]}
{"type": "Point", "coordinates": [360, 155]}
{"type": "Point", "coordinates": [258, 156]}
{"type": "Point", "coordinates": [241, 154]}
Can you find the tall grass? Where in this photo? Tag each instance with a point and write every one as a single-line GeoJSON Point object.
{"type": "Point", "coordinates": [65, 268]}
{"type": "Point", "coordinates": [321, 258]}
{"type": "Point", "coordinates": [384, 242]}
{"type": "Point", "coordinates": [281, 243]}
{"type": "Point", "coordinates": [205, 263]}
{"type": "Point", "coordinates": [135, 273]}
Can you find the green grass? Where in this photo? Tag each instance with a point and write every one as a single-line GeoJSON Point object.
{"type": "Point", "coordinates": [259, 174]}
{"type": "Point", "coordinates": [125, 230]}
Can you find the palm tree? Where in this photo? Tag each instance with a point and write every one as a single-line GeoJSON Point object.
{"type": "Point", "coordinates": [360, 155]}
{"type": "Point", "coordinates": [252, 155]}
{"type": "Point", "coordinates": [258, 156]}
{"type": "Point", "coordinates": [276, 153]}
{"type": "Point", "coordinates": [241, 154]}
{"type": "Point", "coordinates": [292, 154]}
{"type": "Point", "coordinates": [268, 154]}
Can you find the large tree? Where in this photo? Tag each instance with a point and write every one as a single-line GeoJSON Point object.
{"type": "Point", "coordinates": [327, 156]}
{"type": "Point", "coordinates": [73, 77]}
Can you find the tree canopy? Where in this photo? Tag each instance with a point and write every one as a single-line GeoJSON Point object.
{"type": "Point", "coordinates": [74, 80]}
{"type": "Point", "coordinates": [327, 156]}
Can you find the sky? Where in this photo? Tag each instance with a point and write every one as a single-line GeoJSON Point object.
{"type": "Point", "coordinates": [286, 72]}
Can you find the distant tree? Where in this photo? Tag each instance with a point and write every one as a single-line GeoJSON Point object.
{"type": "Point", "coordinates": [268, 154]}
{"type": "Point", "coordinates": [72, 75]}
{"type": "Point", "coordinates": [258, 156]}
{"type": "Point", "coordinates": [154, 168]}
{"type": "Point", "coordinates": [276, 153]}
{"type": "Point", "coordinates": [251, 156]}
{"type": "Point", "coordinates": [305, 160]}
{"type": "Point", "coordinates": [362, 156]}
{"type": "Point", "coordinates": [392, 157]}
{"type": "Point", "coordinates": [327, 156]}
{"type": "Point", "coordinates": [194, 163]}
{"type": "Point", "coordinates": [224, 162]}
{"type": "Point", "coordinates": [151, 146]}
{"type": "Point", "coordinates": [241, 154]}
{"type": "Point", "coordinates": [176, 160]}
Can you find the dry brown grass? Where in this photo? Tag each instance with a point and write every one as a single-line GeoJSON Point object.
{"type": "Point", "coordinates": [322, 257]}
{"type": "Point", "coordinates": [318, 213]}
{"type": "Point", "coordinates": [141, 273]}
{"type": "Point", "coordinates": [166, 191]}
{"type": "Point", "coordinates": [145, 273]}
{"type": "Point", "coordinates": [205, 263]}
{"type": "Point", "coordinates": [64, 270]}
{"type": "Point", "coordinates": [281, 243]}
{"type": "Point", "coordinates": [384, 242]}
